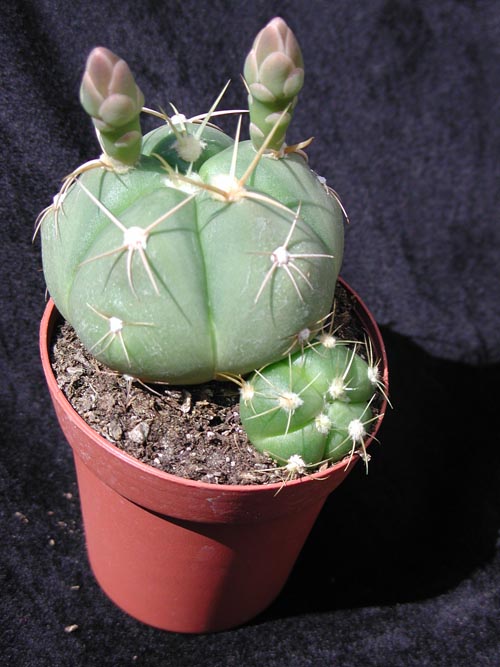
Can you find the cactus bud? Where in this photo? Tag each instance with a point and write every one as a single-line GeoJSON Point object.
{"type": "Point", "coordinates": [274, 73]}
{"type": "Point", "coordinates": [190, 264]}
{"type": "Point", "coordinates": [109, 94]}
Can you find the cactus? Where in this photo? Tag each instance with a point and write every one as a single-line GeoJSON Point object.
{"type": "Point", "coordinates": [313, 405]}
{"type": "Point", "coordinates": [187, 255]}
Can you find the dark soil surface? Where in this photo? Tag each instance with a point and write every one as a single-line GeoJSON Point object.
{"type": "Point", "coordinates": [191, 431]}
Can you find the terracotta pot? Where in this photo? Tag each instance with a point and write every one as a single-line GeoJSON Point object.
{"type": "Point", "coordinates": [182, 555]}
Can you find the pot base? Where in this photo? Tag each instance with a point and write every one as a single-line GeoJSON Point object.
{"type": "Point", "coordinates": [185, 576]}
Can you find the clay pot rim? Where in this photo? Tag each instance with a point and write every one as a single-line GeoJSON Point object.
{"type": "Point", "coordinates": [48, 321]}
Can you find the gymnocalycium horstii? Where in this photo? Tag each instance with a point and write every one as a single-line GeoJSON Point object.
{"type": "Point", "coordinates": [187, 255]}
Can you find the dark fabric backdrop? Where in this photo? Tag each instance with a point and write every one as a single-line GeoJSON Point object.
{"type": "Point", "coordinates": [403, 566]}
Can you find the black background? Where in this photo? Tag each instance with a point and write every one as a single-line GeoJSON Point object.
{"type": "Point", "coordinates": [403, 99]}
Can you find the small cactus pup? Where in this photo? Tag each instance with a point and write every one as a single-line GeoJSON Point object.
{"type": "Point", "coordinates": [187, 255]}
{"type": "Point", "coordinates": [313, 406]}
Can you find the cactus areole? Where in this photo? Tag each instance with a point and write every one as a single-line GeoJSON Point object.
{"type": "Point", "coordinates": [186, 253]}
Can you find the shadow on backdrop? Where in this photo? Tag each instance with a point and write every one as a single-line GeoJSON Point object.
{"type": "Point", "coordinates": [428, 512]}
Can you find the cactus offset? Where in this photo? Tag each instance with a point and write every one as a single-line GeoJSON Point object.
{"type": "Point", "coordinates": [187, 255]}
{"type": "Point", "coordinates": [314, 404]}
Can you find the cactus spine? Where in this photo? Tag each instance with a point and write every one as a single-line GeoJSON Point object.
{"type": "Point", "coordinates": [185, 254]}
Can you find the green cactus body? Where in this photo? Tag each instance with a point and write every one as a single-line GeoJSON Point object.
{"type": "Point", "coordinates": [191, 298]}
{"type": "Point", "coordinates": [274, 72]}
{"type": "Point", "coordinates": [314, 404]}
